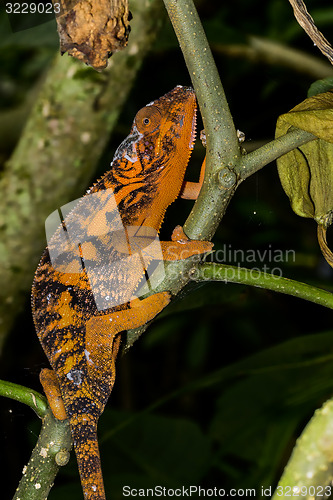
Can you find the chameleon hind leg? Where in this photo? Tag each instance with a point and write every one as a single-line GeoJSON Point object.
{"type": "Point", "coordinates": [85, 403]}
{"type": "Point", "coordinates": [101, 331]}
{"type": "Point", "coordinates": [52, 392]}
{"type": "Point", "coordinates": [93, 486]}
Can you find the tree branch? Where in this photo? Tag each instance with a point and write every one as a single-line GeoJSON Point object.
{"type": "Point", "coordinates": [51, 451]}
{"type": "Point", "coordinates": [264, 50]}
{"type": "Point", "coordinates": [226, 166]}
{"type": "Point", "coordinates": [222, 143]}
{"type": "Point", "coordinates": [254, 161]}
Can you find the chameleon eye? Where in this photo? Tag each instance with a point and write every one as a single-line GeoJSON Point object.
{"type": "Point", "coordinates": [148, 119]}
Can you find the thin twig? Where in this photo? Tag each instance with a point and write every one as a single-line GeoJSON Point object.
{"type": "Point", "coordinates": [271, 52]}
{"type": "Point", "coordinates": [254, 161]}
{"type": "Point", "coordinates": [307, 23]}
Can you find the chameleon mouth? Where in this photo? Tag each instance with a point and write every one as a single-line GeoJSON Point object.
{"type": "Point", "coordinates": [193, 130]}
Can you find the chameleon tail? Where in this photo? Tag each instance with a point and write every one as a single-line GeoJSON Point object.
{"type": "Point", "coordinates": [84, 434]}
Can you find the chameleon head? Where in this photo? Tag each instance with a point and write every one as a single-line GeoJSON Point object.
{"type": "Point", "coordinates": [154, 157]}
{"type": "Point", "coordinates": [168, 126]}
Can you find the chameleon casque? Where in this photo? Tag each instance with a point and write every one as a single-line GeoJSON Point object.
{"type": "Point", "coordinates": [83, 295]}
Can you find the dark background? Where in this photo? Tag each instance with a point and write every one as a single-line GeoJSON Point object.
{"type": "Point", "coordinates": [252, 365]}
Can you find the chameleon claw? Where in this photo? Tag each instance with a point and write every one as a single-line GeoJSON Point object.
{"type": "Point", "coordinates": [179, 235]}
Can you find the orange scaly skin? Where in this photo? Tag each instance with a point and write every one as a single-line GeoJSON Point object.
{"type": "Point", "coordinates": [81, 341]}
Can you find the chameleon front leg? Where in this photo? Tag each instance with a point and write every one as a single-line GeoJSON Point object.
{"type": "Point", "coordinates": [191, 190]}
{"type": "Point", "coordinates": [181, 247]}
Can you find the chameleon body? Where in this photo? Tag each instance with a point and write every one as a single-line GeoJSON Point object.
{"type": "Point", "coordinates": [80, 336]}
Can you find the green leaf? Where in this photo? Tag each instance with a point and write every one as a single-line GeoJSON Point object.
{"type": "Point", "coordinates": [161, 450]}
{"type": "Point", "coordinates": [306, 173]}
{"type": "Point", "coordinates": [266, 398]}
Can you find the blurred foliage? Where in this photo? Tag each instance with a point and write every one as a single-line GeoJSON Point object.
{"type": "Point", "coordinates": [217, 390]}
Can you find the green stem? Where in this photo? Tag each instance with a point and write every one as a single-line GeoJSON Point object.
{"type": "Point", "coordinates": [254, 161]}
{"type": "Point", "coordinates": [24, 395]}
{"type": "Point", "coordinates": [233, 274]}
{"type": "Point", "coordinates": [219, 127]}
{"type": "Point", "coordinates": [51, 451]}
